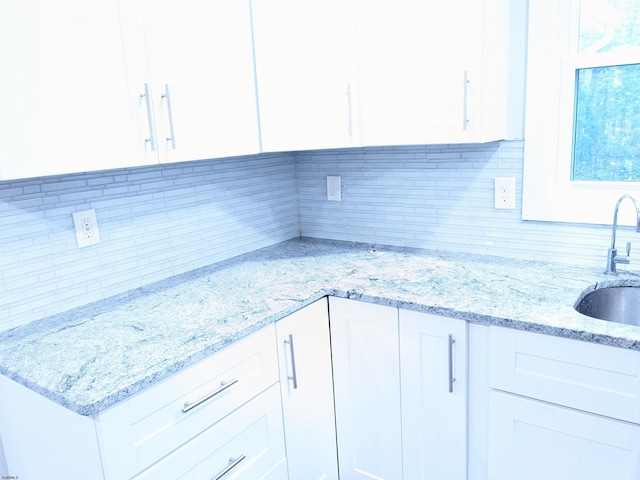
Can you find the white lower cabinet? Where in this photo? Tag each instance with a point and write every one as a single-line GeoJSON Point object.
{"type": "Point", "coordinates": [222, 414]}
{"type": "Point", "coordinates": [364, 343]}
{"type": "Point", "coordinates": [433, 374]}
{"type": "Point", "coordinates": [532, 440]}
{"type": "Point", "coordinates": [306, 383]}
{"type": "Point", "coordinates": [245, 445]}
{"type": "Point", "coordinates": [562, 409]}
{"type": "Point", "coordinates": [150, 425]}
{"type": "Point", "coordinates": [400, 380]}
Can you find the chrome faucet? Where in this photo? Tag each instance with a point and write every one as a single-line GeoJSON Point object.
{"type": "Point", "coordinates": [612, 257]}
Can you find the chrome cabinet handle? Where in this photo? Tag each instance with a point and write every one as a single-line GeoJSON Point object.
{"type": "Point", "coordinates": [233, 463]}
{"type": "Point", "coordinates": [223, 386]}
{"type": "Point", "coordinates": [172, 137]}
{"type": "Point", "coordinates": [465, 102]}
{"type": "Point", "coordinates": [349, 119]}
{"type": "Point", "coordinates": [451, 378]}
{"type": "Point", "coordinates": [150, 139]}
{"type": "Point", "coordinates": [293, 377]}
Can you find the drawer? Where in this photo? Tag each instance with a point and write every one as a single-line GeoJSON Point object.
{"type": "Point", "coordinates": [586, 376]}
{"type": "Point", "coordinates": [139, 431]}
{"type": "Point", "coordinates": [247, 445]}
{"type": "Point", "coordinates": [533, 440]}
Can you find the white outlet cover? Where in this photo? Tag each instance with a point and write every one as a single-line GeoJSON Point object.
{"type": "Point", "coordinates": [334, 189]}
{"type": "Point", "coordinates": [505, 193]}
{"type": "Point", "coordinates": [86, 227]}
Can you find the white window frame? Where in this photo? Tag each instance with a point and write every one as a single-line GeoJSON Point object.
{"type": "Point", "coordinates": [548, 192]}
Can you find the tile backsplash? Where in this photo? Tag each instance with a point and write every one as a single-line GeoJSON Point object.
{"type": "Point", "coordinates": [438, 197]}
{"type": "Point", "coordinates": [164, 220]}
{"type": "Point", "coordinates": [154, 222]}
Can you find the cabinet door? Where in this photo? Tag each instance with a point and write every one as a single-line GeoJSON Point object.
{"type": "Point", "coordinates": [64, 100]}
{"type": "Point", "coordinates": [196, 58]}
{"type": "Point", "coordinates": [364, 342]}
{"type": "Point", "coordinates": [413, 58]}
{"type": "Point", "coordinates": [530, 440]}
{"type": "Point", "coordinates": [306, 384]}
{"type": "Point", "coordinates": [433, 364]}
{"type": "Point", "coordinates": [306, 70]}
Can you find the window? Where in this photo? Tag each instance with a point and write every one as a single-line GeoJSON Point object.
{"type": "Point", "coordinates": [582, 137]}
{"type": "Point", "coordinates": [606, 128]}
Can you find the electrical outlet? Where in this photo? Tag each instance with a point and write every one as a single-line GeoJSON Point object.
{"type": "Point", "coordinates": [86, 227]}
{"type": "Point", "coordinates": [333, 188]}
{"type": "Point", "coordinates": [505, 193]}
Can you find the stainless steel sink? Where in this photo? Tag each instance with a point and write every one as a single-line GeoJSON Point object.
{"type": "Point", "coordinates": [617, 304]}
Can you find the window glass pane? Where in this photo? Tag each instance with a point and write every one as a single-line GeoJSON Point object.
{"type": "Point", "coordinates": [609, 25]}
{"type": "Point", "coordinates": [607, 124]}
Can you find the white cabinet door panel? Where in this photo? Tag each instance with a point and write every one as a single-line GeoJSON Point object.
{"type": "Point", "coordinates": [306, 71]}
{"type": "Point", "coordinates": [196, 57]}
{"type": "Point", "coordinates": [202, 50]}
{"type": "Point", "coordinates": [531, 440]}
{"type": "Point", "coordinates": [364, 341]}
{"type": "Point", "coordinates": [66, 99]}
{"type": "Point", "coordinates": [304, 354]}
{"type": "Point", "coordinates": [434, 396]}
{"type": "Point", "coordinates": [413, 58]}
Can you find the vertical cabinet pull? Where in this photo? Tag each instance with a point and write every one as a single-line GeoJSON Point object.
{"type": "Point", "coordinates": [349, 119]}
{"type": "Point", "coordinates": [149, 139]}
{"type": "Point", "coordinates": [293, 377]}
{"type": "Point", "coordinates": [233, 463]}
{"type": "Point", "coordinates": [465, 102]}
{"type": "Point", "coordinates": [223, 386]}
{"type": "Point", "coordinates": [171, 138]}
{"type": "Point", "coordinates": [451, 378]}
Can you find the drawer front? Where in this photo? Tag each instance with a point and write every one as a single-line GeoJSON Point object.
{"type": "Point", "coordinates": [595, 378]}
{"type": "Point", "coordinates": [246, 445]}
{"type": "Point", "coordinates": [145, 428]}
{"type": "Point", "coordinates": [532, 440]}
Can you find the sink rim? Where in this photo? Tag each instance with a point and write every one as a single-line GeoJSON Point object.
{"type": "Point", "coordinates": [617, 282]}
{"type": "Point", "coordinates": [608, 285]}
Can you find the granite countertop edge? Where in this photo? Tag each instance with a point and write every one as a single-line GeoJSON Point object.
{"type": "Point", "coordinates": [532, 296]}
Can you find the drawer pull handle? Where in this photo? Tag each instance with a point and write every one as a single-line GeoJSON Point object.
{"type": "Point", "coordinates": [233, 463]}
{"type": "Point", "coordinates": [293, 377]}
{"type": "Point", "coordinates": [223, 386]}
{"type": "Point", "coordinates": [451, 378]}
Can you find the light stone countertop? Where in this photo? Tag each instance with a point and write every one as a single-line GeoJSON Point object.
{"type": "Point", "coordinates": [89, 358]}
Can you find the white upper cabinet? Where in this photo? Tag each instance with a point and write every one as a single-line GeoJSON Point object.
{"type": "Point", "coordinates": [64, 104]}
{"type": "Point", "coordinates": [381, 72]}
{"type": "Point", "coordinates": [191, 78]}
{"type": "Point", "coordinates": [412, 60]}
{"type": "Point", "coordinates": [106, 84]}
{"type": "Point", "coordinates": [306, 73]}
{"type": "Point", "coordinates": [432, 71]}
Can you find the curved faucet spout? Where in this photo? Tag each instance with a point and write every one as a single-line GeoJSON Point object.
{"type": "Point", "coordinates": [613, 258]}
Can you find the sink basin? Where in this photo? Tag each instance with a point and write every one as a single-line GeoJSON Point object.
{"type": "Point", "coordinates": [616, 304]}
